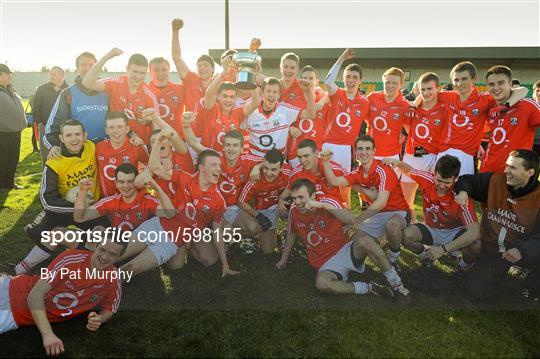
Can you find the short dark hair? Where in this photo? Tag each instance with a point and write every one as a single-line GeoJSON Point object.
{"type": "Point", "coordinates": [530, 159]}
{"type": "Point", "coordinates": [159, 60]}
{"type": "Point", "coordinates": [271, 81]}
{"type": "Point", "coordinates": [427, 77]}
{"type": "Point", "coordinates": [204, 155]}
{"type": "Point", "coordinates": [464, 66]}
{"type": "Point", "coordinates": [227, 85]}
{"type": "Point", "coordinates": [354, 67]}
{"type": "Point", "coordinates": [71, 122]}
{"type": "Point", "coordinates": [366, 138]}
{"type": "Point", "coordinates": [447, 87]}
{"type": "Point", "coordinates": [303, 182]}
{"type": "Point", "coordinates": [126, 168]}
{"type": "Point", "coordinates": [86, 54]}
{"type": "Point", "coordinates": [274, 156]}
{"type": "Point", "coordinates": [516, 82]}
{"type": "Point", "coordinates": [137, 60]}
{"type": "Point", "coordinates": [207, 59]}
{"type": "Point", "coordinates": [448, 166]}
{"type": "Point", "coordinates": [499, 70]}
{"type": "Point", "coordinates": [307, 143]}
{"type": "Point", "coordinates": [309, 68]}
{"type": "Point", "coordinates": [114, 115]}
{"type": "Point", "coordinates": [237, 135]}
{"type": "Point", "coordinates": [58, 68]}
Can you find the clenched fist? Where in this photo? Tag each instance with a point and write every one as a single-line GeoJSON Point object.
{"type": "Point", "coordinates": [177, 24]}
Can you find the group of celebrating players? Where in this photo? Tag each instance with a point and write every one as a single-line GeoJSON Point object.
{"type": "Point", "coordinates": [209, 165]}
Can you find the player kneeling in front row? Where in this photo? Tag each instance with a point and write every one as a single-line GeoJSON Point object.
{"type": "Point", "coordinates": [319, 221]}
{"type": "Point", "coordinates": [76, 282]}
{"type": "Point", "coordinates": [448, 228]}
{"type": "Point", "coordinates": [259, 200]}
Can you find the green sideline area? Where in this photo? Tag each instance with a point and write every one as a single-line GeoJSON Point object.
{"type": "Point", "coordinates": [269, 313]}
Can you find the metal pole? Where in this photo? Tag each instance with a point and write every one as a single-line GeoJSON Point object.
{"type": "Point", "coordinates": [226, 24]}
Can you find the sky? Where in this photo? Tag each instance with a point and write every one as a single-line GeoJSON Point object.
{"type": "Point", "coordinates": [46, 33]}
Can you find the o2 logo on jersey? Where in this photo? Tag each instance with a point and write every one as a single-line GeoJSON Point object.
{"type": "Point", "coordinates": [109, 172]}
{"type": "Point", "coordinates": [266, 141]}
{"type": "Point", "coordinates": [227, 187]}
{"type": "Point", "coordinates": [396, 116]}
{"type": "Point", "coordinates": [437, 122]}
{"type": "Point", "coordinates": [307, 129]}
{"type": "Point", "coordinates": [61, 299]}
{"type": "Point", "coordinates": [190, 211]}
{"type": "Point", "coordinates": [466, 121]}
{"type": "Point", "coordinates": [343, 120]}
{"type": "Point", "coordinates": [381, 125]}
{"type": "Point", "coordinates": [314, 238]}
{"type": "Point", "coordinates": [164, 110]}
{"type": "Point", "coordinates": [140, 108]}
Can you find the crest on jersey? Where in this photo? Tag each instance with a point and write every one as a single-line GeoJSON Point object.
{"type": "Point", "coordinates": [276, 123]}
{"type": "Point", "coordinates": [291, 96]}
{"type": "Point", "coordinates": [138, 215]}
{"type": "Point", "coordinates": [175, 99]}
{"type": "Point", "coordinates": [514, 121]}
{"type": "Point", "coordinates": [445, 213]}
{"type": "Point", "coordinates": [322, 224]}
{"type": "Point", "coordinates": [437, 122]}
{"type": "Point", "coordinates": [94, 297]}
{"type": "Point", "coordinates": [475, 111]}
{"type": "Point", "coordinates": [206, 209]}
{"type": "Point", "coordinates": [242, 177]}
{"type": "Point", "coordinates": [396, 116]}
{"type": "Point", "coordinates": [176, 166]}
{"type": "Point", "coordinates": [140, 108]}
{"type": "Point", "coordinates": [319, 114]}
{"type": "Point", "coordinates": [358, 113]}
{"type": "Point", "coordinates": [126, 158]}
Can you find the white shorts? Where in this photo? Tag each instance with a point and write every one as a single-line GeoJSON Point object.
{"type": "Point", "coordinates": [294, 162]}
{"type": "Point", "coordinates": [7, 322]}
{"type": "Point", "coordinates": [342, 154]}
{"type": "Point", "coordinates": [231, 213]}
{"type": "Point", "coordinates": [438, 237]}
{"type": "Point", "coordinates": [375, 226]}
{"type": "Point", "coordinates": [395, 157]}
{"type": "Point", "coordinates": [467, 161]}
{"type": "Point", "coordinates": [163, 248]}
{"type": "Point", "coordinates": [272, 214]}
{"type": "Point", "coordinates": [424, 163]}
{"type": "Point", "coordinates": [342, 264]}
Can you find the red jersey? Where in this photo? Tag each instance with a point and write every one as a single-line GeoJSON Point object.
{"type": "Point", "coordinates": [382, 178]}
{"type": "Point", "coordinates": [121, 100]}
{"type": "Point", "coordinates": [199, 208]}
{"type": "Point", "coordinates": [386, 122]}
{"type": "Point", "coordinates": [441, 212]}
{"type": "Point", "coordinates": [128, 216]}
{"type": "Point", "coordinates": [426, 127]}
{"type": "Point", "coordinates": [170, 99]}
{"type": "Point", "coordinates": [510, 130]}
{"type": "Point", "coordinates": [465, 125]}
{"type": "Point", "coordinates": [194, 90]}
{"type": "Point", "coordinates": [293, 95]}
{"type": "Point", "coordinates": [108, 158]}
{"type": "Point", "coordinates": [232, 179]}
{"type": "Point", "coordinates": [69, 297]}
{"type": "Point", "coordinates": [345, 117]}
{"type": "Point", "coordinates": [265, 194]}
{"type": "Point", "coordinates": [319, 179]}
{"type": "Point", "coordinates": [312, 129]}
{"type": "Point", "coordinates": [321, 232]}
{"type": "Point", "coordinates": [211, 125]}
{"type": "Point", "coordinates": [181, 163]}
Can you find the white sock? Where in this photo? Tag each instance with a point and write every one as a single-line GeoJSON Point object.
{"type": "Point", "coordinates": [423, 255]}
{"type": "Point", "coordinates": [36, 256]}
{"type": "Point", "coordinates": [392, 256]}
{"type": "Point", "coordinates": [463, 264]}
{"type": "Point", "coordinates": [361, 287]}
{"type": "Point", "coordinates": [393, 278]}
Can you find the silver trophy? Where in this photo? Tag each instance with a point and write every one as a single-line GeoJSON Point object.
{"type": "Point", "coordinates": [246, 62]}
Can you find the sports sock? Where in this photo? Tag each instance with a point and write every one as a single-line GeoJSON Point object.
{"type": "Point", "coordinates": [361, 287]}
{"type": "Point", "coordinates": [36, 256]}
{"type": "Point", "coordinates": [393, 278]}
{"type": "Point", "coordinates": [463, 264]}
{"type": "Point", "coordinates": [423, 255]}
{"type": "Point", "coordinates": [393, 256]}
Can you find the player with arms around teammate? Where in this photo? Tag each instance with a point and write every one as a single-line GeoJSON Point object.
{"type": "Point", "coordinates": [511, 127]}
{"type": "Point", "coordinates": [448, 228]}
{"type": "Point", "coordinates": [31, 300]}
{"type": "Point", "coordinates": [510, 227]}
{"type": "Point", "coordinates": [319, 220]}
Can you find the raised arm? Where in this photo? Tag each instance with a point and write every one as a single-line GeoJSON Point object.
{"type": "Point", "coordinates": [81, 211]}
{"type": "Point", "coordinates": [91, 81]}
{"type": "Point", "coordinates": [180, 64]}
{"type": "Point", "coordinates": [165, 208]}
{"type": "Point", "coordinates": [334, 71]}
{"type": "Point", "coordinates": [52, 344]}
{"type": "Point", "coordinates": [154, 162]}
{"type": "Point", "coordinates": [329, 173]}
{"type": "Point", "coordinates": [191, 139]}
{"type": "Point", "coordinates": [344, 215]}
{"type": "Point", "coordinates": [403, 167]}
{"type": "Point", "coordinates": [210, 97]}
{"type": "Point", "coordinates": [255, 100]}
{"type": "Point", "coordinates": [311, 110]}
{"type": "Point", "coordinates": [151, 115]}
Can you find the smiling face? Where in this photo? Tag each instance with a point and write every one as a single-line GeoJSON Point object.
{"type": "Point", "coordinates": [516, 174]}
{"type": "Point", "coordinates": [307, 158]}
{"type": "Point", "coordinates": [226, 98]}
{"type": "Point", "coordinates": [210, 169]}
{"type": "Point", "coordinates": [73, 138]}
{"type": "Point", "coordinates": [117, 130]}
{"type": "Point", "coordinates": [463, 82]}
{"type": "Point", "coordinates": [159, 73]}
{"type": "Point", "coordinates": [232, 148]}
{"type": "Point", "coordinates": [499, 86]}
{"type": "Point", "coordinates": [106, 254]}
{"type": "Point", "coordinates": [204, 70]}
{"type": "Point", "coordinates": [392, 85]}
{"type": "Point", "coordinates": [165, 149]}
{"type": "Point", "coordinates": [364, 151]}
{"type": "Point", "coordinates": [271, 170]}
{"type": "Point", "coordinates": [301, 197]}
{"type": "Point", "coordinates": [271, 95]}
{"type": "Point", "coordinates": [288, 69]}
{"type": "Point", "coordinates": [124, 184]}
{"type": "Point", "coordinates": [428, 91]}
{"type": "Point", "coordinates": [136, 75]}
{"type": "Point", "coordinates": [352, 80]}
{"type": "Point", "coordinates": [311, 77]}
